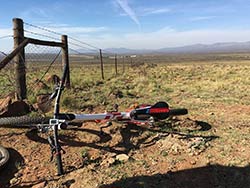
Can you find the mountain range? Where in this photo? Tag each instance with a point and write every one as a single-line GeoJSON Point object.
{"type": "Point", "coordinates": [226, 47]}
{"type": "Point", "coordinates": [196, 48]}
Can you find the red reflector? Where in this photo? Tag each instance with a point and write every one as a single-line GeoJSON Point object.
{"type": "Point", "coordinates": [158, 110]}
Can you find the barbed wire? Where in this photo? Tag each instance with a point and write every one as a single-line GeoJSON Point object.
{"type": "Point", "coordinates": [76, 51]}
{"type": "Point", "coordinates": [74, 44]}
{"type": "Point", "coordinates": [57, 33]}
{"type": "Point", "coordinates": [53, 38]}
{"type": "Point", "coordinates": [41, 35]}
{"type": "Point", "coordinates": [83, 43]}
{"type": "Point", "coordinates": [42, 28]}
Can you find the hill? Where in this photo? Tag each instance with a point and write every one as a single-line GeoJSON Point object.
{"type": "Point", "coordinates": [196, 48]}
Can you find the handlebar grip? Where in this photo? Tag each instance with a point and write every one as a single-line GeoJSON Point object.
{"type": "Point", "coordinates": [177, 112]}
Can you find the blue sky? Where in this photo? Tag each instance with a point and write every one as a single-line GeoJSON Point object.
{"type": "Point", "coordinates": [148, 24]}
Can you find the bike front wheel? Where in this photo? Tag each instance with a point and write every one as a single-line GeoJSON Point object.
{"type": "Point", "coordinates": [24, 120]}
{"type": "Point", "coordinates": [4, 156]}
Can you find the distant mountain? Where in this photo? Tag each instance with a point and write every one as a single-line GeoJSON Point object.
{"type": "Point", "coordinates": [212, 48]}
{"type": "Point", "coordinates": [196, 48]}
{"type": "Point", "coordinates": [128, 51]}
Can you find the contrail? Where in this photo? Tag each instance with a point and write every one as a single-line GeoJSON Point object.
{"type": "Point", "coordinates": [124, 5]}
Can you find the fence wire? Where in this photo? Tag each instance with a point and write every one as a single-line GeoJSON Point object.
{"type": "Point", "coordinates": [7, 76]}
{"type": "Point", "coordinates": [42, 63]}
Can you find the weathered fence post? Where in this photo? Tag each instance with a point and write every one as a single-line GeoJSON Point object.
{"type": "Point", "coordinates": [101, 64]}
{"type": "Point", "coordinates": [123, 65]}
{"type": "Point", "coordinates": [65, 58]}
{"type": "Point", "coordinates": [116, 72]}
{"type": "Point", "coordinates": [20, 72]}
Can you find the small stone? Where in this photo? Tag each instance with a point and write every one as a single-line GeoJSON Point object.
{"type": "Point", "coordinates": [192, 162]}
{"type": "Point", "coordinates": [208, 163]}
{"type": "Point", "coordinates": [13, 181]}
{"type": "Point", "coordinates": [122, 157]}
{"type": "Point", "coordinates": [18, 175]}
{"type": "Point", "coordinates": [107, 162]}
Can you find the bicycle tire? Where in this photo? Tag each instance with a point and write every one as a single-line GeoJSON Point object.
{"type": "Point", "coordinates": [4, 156]}
{"type": "Point", "coordinates": [178, 112]}
{"type": "Point", "coordinates": [23, 120]}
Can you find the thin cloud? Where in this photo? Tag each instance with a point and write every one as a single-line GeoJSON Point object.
{"type": "Point", "coordinates": [80, 29]}
{"type": "Point", "coordinates": [128, 10]}
{"type": "Point", "coordinates": [35, 13]}
{"type": "Point", "coordinates": [168, 37]}
{"type": "Point", "coordinates": [152, 11]}
{"type": "Point", "coordinates": [202, 18]}
{"type": "Point", "coordinates": [63, 28]}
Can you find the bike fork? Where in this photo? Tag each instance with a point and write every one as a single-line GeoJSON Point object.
{"type": "Point", "coordinates": [56, 150]}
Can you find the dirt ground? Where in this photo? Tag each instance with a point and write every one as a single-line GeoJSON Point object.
{"type": "Point", "coordinates": [207, 148]}
{"type": "Point", "coordinates": [187, 151]}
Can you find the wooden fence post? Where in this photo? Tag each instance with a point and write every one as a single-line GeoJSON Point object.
{"type": "Point", "coordinates": [123, 64]}
{"type": "Point", "coordinates": [116, 72]}
{"type": "Point", "coordinates": [65, 59]}
{"type": "Point", "coordinates": [20, 69]}
{"type": "Point", "coordinates": [101, 64]}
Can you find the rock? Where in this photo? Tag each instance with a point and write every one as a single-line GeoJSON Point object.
{"type": "Point", "coordinates": [53, 79]}
{"type": "Point", "coordinates": [107, 162]}
{"type": "Point", "coordinates": [39, 85]}
{"type": "Point", "coordinates": [42, 98]}
{"type": "Point", "coordinates": [13, 181]}
{"type": "Point", "coordinates": [192, 162]}
{"type": "Point", "coordinates": [98, 83]}
{"type": "Point", "coordinates": [176, 148]}
{"type": "Point", "coordinates": [39, 185]}
{"type": "Point", "coordinates": [16, 108]}
{"type": "Point", "coordinates": [122, 158]}
{"type": "Point", "coordinates": [4, 103]}
{"type": "Point", "coordinates": [12, 95]}
{"type": "Point", "coordinates": [43, 103]}
{"type": "Point", "coordinates": [116, 93]}
{"type": "Point", "coordinates": [18, 175]}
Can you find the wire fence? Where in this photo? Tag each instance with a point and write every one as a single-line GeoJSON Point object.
{"type": "Point", "coordinates": [83, 53]}
{"type": "Point", "coordinates": [43, 62]}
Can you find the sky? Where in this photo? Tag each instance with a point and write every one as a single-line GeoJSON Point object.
{"type": "Point", "coordinates": [135, 24]}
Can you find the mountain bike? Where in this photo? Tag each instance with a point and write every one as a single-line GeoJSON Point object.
{"type": "Point", "coordinates": [142, 114]}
